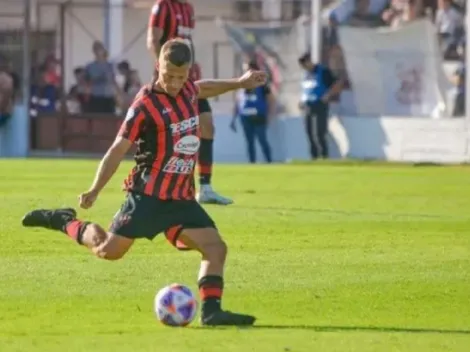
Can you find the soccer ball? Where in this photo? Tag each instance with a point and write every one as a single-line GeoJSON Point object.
{"type": "Point", "coordinates": [175, 305]}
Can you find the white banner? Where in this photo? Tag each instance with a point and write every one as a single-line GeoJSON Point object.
{"type": "Point", "coordinates": [395, 72]}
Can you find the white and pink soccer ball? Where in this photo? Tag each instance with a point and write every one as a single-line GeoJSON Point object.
{"type": "Point", "coordinates": [175, 305]}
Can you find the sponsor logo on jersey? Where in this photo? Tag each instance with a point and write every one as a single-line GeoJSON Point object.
{"type": "Point", "coordinates": [185, 126]}
{"type": "Point", "coordinates": [188, 145]}
{"type": "Point", "coordinates": [179, 166]}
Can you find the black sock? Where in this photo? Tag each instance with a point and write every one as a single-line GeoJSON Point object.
{"type": "Point", "coordinates": [205, 161]}
{"type": "Point", "coordinates": [210, 289]}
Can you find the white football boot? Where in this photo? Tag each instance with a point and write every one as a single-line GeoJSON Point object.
{"type": "Point", "coordinates": [207, 195]}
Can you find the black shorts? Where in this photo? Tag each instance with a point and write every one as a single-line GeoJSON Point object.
{"type": "Point", "coordinates": [204, 106]}
{"type": "Point", "coordinates": [142, 216]}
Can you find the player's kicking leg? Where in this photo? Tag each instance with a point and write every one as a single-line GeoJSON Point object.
{"type": "Point", "coordinates": [206, 193]}
{"type": "Point", "coordinates": [198, 231]}
{"type": "Point", "coordinates": [105, 245]}
{"type": "Point", "coordinates": [210, 280]}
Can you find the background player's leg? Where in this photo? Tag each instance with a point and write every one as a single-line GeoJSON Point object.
{"type": "Point", "coordinates": [262, 135]}
{"type": "Point", "coordinates": [206, 157]}
{"type": "Point", "coordinates": [206, 154]}
{"type": "Point", "coordinates": [249, 131]}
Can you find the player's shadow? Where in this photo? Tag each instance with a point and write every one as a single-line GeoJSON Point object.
{"type": "Point", "coordinates": [320, 328]}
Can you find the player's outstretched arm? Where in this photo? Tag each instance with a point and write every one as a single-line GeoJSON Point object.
{"type": "Point", "coordinates": [128, 134]}
{"type": "Point", "coordinates": [110, 163]}
{"type": "Point", "coordinates": [108, 166]}
{"type": "Point", "coordinates": [209, 88]}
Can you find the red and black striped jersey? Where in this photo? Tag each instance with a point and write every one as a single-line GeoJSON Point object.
{"type": "Point", "coordinates": [167, 133]}
{"type": "Point", "coordinates": [175, 18]}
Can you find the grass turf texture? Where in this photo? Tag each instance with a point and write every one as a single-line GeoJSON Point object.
{"type": "Point", "coordinates": [329, 257]}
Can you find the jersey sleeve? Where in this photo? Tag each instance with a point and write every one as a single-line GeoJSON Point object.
{"type": "Point", "coordinates": [159, 14]}
{"type": "Point", "coordinates": [133, 123]}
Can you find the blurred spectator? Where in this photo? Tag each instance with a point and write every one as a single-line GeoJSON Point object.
{"type": "Point", "coordinates": [428, 8]}
{"type": "Point", "coordinates": [79, 93]}
{"type": "Point", "coordinates": [7, 65]}
{"type": "Point", "coordinates": [131, 84]}
{"type": "Point", "coordinates": [402, 11]}
{"type": "Point", "coordinates": [51, 67]}
{"type": "Point", "coordinates": [449, 23]}
{"type": "Point", "coordinates": [6, 93]}
{"type": "Point", "coordinates": [44, 95]}
{"type": "Point", "coordinates": [460, 5]}
{"type": "Point", "coordinates": [124, 69]}
{"type": "Point", "coordinates": [357, 12]}
{"type": "Point", "coordinates": [255, 108]}
{"type": "Point", "coordinates": [100, 76]}
{"type": "Point", "coordinates": [459, 81]}
{"type": "Point", "coordinates": [367, 13]}
{"type": "Point", "coordinates": [134, 84]}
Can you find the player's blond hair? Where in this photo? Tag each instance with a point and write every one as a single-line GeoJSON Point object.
{"type": "Point", "coordinates": [177, 52]}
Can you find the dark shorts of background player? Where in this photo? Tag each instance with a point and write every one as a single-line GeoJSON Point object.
{"type": "Point", "coordinates": [142, 216]}
{"type": "Point", "coordinates": [204, 106]}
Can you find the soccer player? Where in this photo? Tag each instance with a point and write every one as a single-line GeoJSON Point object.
{"type": "Point", "coordinates": [175, 19]}
{"type": "Point", "coordinates": [164, 123]}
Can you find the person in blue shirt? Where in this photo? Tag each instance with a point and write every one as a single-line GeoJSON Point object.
{"type": "Point", "coordinates": [319, 86]}
{"type": "Point", "coordinates": [254, 107]}
{"type": "Point", "coordinates": [44, 96]}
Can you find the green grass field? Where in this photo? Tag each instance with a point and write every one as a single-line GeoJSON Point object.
{"type": "Point", "coordinates": [330, 257]}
